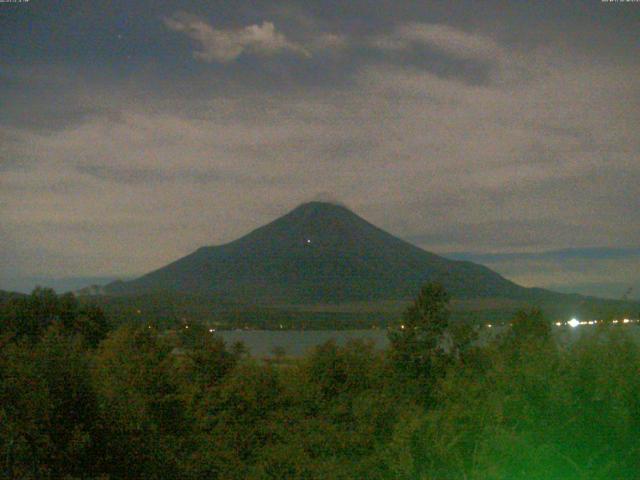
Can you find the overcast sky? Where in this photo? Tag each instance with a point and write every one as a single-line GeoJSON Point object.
{"type": "Point", "coordinates": [132, 133]}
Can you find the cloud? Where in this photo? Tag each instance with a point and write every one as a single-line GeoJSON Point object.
{"type": "Point", "coordinates": [226, 45]}
{"type": "Point", "coordinates": [584, 254]}
{"type": "Point", "coordinates": [453, 53]}
{"type": "Point", "coordinates": [331, 42]}
{"type": "Point", "coordinates": [591, 271]}
{"type": "Point", "coordinates": [130, 175]}
{"type": "Point", "coordinates": [544, 163]}
{"type": "Point", "coordinates": [443, 38]}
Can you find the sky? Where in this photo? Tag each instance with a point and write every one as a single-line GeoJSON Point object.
{"type": "Point", "coordinates": [132, 133]}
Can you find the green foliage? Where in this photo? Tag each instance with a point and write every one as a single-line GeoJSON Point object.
{"type": "Point", "coordinates": [141, 407]}
{"type": "Point", "coordinates": [417, 344]}
{"type": "Point", "coordinates": [529, 410]}
{"type": "Point", "coordinates": [206, 364]}
{"type": "Point", "coordinates": [30, 316]}
{"type": "Point", "coordinates": [142, 403]}
{"type": "Point", "coordinates": [530, 326]}
{"type": "Point", "coordinates": [48, 408]}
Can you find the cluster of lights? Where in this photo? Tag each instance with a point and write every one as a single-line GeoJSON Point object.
{"type": "Point", "coordinates": [626, 320]}
{"type": "Point", "coordinates": [573, 323]}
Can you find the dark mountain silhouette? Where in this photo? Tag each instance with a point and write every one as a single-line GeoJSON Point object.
{"type": "Point", "coordinates": [321, 253]}
{"type": "Point", "coordinates": [6, 296]}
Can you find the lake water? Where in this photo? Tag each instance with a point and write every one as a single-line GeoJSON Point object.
{"type": "Point", "coordinates": [261, 343]}
{"type": "Point", "coordinates": [298, 342]}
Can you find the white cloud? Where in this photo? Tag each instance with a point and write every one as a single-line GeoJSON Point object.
{"type": "Point", "coordinates": [474, 166]}
{"type": "Point", "coordinates": [507, 66]}
{"type": "Point", "coordinates": [441, 37]}
{"type": "Point", "coordinates": [226, 45]}
{"type": "Point", "coordinates": [330, 41]}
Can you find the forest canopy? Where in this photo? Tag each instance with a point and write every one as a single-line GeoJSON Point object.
{"type": "Point", "coordinates": [82, 399]}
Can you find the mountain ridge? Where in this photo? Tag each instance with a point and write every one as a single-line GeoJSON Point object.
{"type": "Point", "coordinates": [321, 252]}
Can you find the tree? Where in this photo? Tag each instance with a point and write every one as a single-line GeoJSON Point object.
{"type": "Point", "coordinates": [92, 324]}
{"type": "Point", "coordinates": [235, 420]}
{"type": "Point", "coordinates": [29, 317]}
{"type": "Point", "coordinates": [47, 408]}
{"type": "Point", "coordinates": [33, 314]}
{"type": "Point", "coordinates": [530, 325]}
{"type": "Point", "coordinates": [417, 343]}
{"type": "Point", "coordinates": [141, 407]}
{"type": "Point", "coordinates": [239, 349]}
{"type": "Point", "coordinates": [278, 352]}
{"type": "Point", "coordinates": [207, 362]}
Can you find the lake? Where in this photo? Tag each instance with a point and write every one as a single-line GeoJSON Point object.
{"type": "Point", "coordinates": [261, 343]}
{"type": "Point", "coordinates": [298, 342]}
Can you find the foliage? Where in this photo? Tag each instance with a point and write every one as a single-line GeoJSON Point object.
{"type": "Point", "coordinates": [418, 343]}
{"type": "Point", "coordinates": [30, 316]}
{"type": "Point", "coordinates": [142, 403]}
{"type": "Point", "coordinates": [47, 407]}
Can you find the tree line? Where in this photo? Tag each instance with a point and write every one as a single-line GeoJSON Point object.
{"type": "Point", "coordinates": [81, 399]}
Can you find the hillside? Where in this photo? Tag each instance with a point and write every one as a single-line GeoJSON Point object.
{"type": "Point", "coordinates": [321, 253]}
{"type": "Point", "coordinates": [6, 295]}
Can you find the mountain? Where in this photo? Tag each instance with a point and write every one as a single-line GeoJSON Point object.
{"type": "Point", "coordinates": [7, 295]}
{"type": "Point", "coordinates": [26, 284]}
{"type": "Point", "coordinates": [320, 253]}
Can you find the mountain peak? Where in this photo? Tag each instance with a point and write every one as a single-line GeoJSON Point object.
{"type": "Point", "coordinates": [333, 222]}
{"type": "Point", "coordinates": [319, 252]}
{"type": "Point", "coordinates": [321, 208]}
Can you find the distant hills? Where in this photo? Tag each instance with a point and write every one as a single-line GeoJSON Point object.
{"type": "Point", "coordinates": [5, 295]}
{"type": "Point", "coordinates": [25, 284]}
{"type": "Point", "coordinates": [571, 270]}
{"type": "Point", "coordinates": [322, 253]}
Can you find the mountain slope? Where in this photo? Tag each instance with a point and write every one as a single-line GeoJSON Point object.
{"type": "Point", "coordinates": [7, 295]}
{"type": "Point", "coordinates": [320, 252]}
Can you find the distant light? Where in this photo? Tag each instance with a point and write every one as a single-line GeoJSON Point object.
{"type": "Point", "coordinates": [211, 330]}
{"type": "Point", "coordinates": [626, 320]}
{"type": "Point", "coordinates": [401, 327]}
{"type": "Point", "coordinates": [186, 326]}
{"type": "Point", "coordinates": [308, 240]}
{"type": "Point", "coordinates": [558, 324]}
{"type": "Point", "coordinates": [573, 323]}
{"type": "Point", "coordinates": [615, 321]}
{"type": "Point", "coordinates": [489, 325]}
